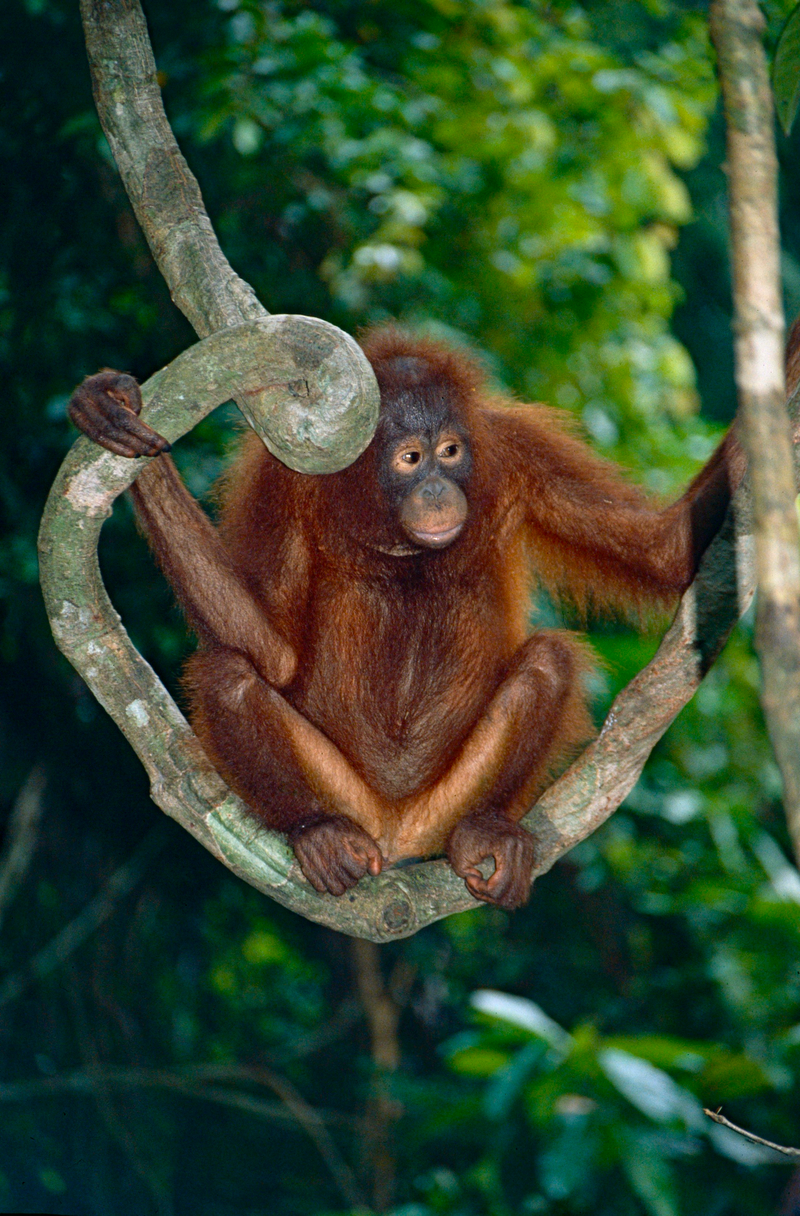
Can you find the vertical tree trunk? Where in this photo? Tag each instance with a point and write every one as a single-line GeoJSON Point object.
{"type": "Point", "coordinates": [736, 29]}
{"type": "Point", "coordinates": [382, 1016]}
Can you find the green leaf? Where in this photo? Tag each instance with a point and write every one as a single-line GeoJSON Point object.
{"type": "Point", "coordinates": [478, 1061]}
{"type": "Point", "coordinates": [786, 71]}
{"type": "Point", "coordinates": [520, 1012]}
{"type": "Point", "coordinates": [649, 1089]}
{"type": "Point", "coordinates": [650, 1177]}
{"type": "Point", "coordinates": [508, 1081]}
{"type": "Point", "coordinates": [567, 1163]}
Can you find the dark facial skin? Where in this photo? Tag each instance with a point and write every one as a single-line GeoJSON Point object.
{"type": "Point", "coordinates": [426, 463]}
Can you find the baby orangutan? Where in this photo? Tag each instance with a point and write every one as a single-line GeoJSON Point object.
{"type": "Point", "coordinates": [365, 679]}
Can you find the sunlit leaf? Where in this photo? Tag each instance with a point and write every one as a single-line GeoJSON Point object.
{"type": "Point", "coordinates": [520, 1012]}
{"type": "Point", "coordinates": [650, 1090]}
{"type": "Point", "coordinates": [661, 1050]}
{"type": "Point", "coordinates": [478, 1061]}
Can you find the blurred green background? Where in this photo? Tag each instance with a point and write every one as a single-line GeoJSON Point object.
{"type": "Point", "coordinates": [541, 182]}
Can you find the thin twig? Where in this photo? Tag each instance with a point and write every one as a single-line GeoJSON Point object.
{"type": "Point", "coordinates": [137, 1154]}
{"type": "Point", "coordinates": [81, 927]}
{"type": "Point", "coordinates": [343, 1019]}
{"type": "Point", "coordinates": [22, 835]}
{"type": "Point", "coordinates": [317, 1132]}
{"type": "Point", "coordinates": [193, 1081]}
{"type": "Point", "coordinates": [740, 1131]}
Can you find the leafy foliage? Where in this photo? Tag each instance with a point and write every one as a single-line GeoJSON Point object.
{"type": "Point", "coordinates": [786, 71]}
{"type": "Point", "coordinates": [511, 179]}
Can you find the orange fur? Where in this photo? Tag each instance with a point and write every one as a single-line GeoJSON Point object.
{"type": "Point", "coordinates": [339, 676]}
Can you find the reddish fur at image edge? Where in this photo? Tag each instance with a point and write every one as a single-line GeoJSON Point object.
{"type": "Point", "coordinates": [365, 681]}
